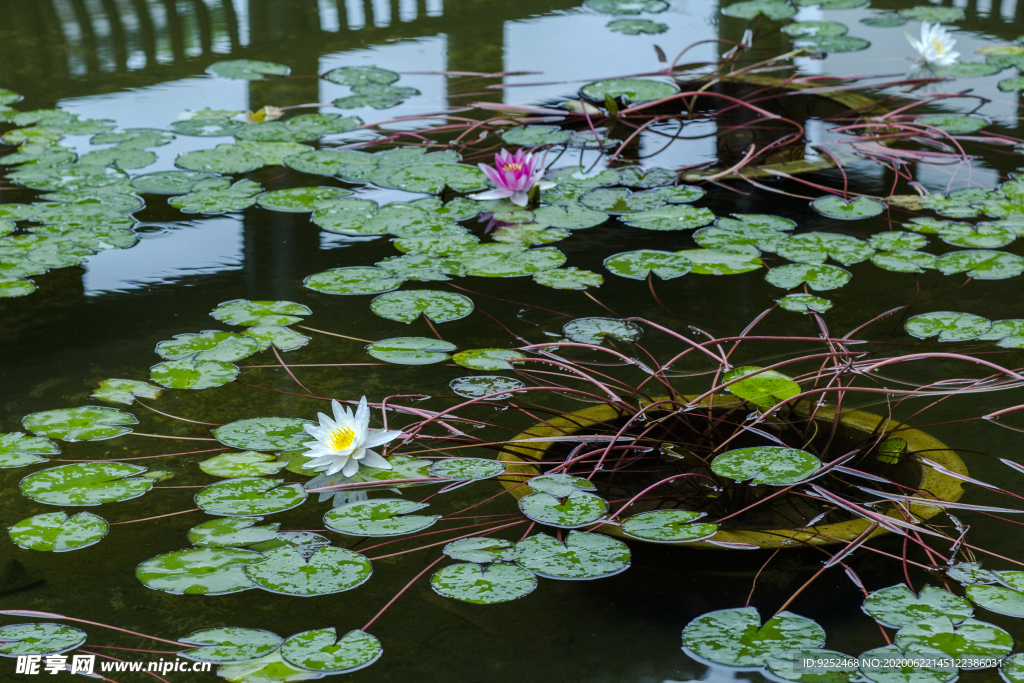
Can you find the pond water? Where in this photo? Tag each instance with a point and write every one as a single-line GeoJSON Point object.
{"type": "Point", "coordinates": [95, 316]}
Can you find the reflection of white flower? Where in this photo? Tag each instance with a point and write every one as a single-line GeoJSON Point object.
{"type": "Point", "coordinates": [935, 47]}
{"type": "Point", "coordinates": [344, 443]}
{"type": "Point", "coordinates": [341, 496]}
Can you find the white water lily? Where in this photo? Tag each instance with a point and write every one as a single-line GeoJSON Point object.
{"type": "Point", "coordinates": [344, 443]}
{"type": "Point", "coordinates": [935, 47]}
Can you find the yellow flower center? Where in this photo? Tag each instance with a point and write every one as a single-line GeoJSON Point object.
{"type": "Point", "coordinates": [512, 167]}
{"type": "Point", "coordinates": [340, 439]}
{"type": "Point", "coordinates": [939, 47]}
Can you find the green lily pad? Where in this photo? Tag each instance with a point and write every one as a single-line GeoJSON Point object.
{"type": "Point", "coordinates": [441, 245]}
{"type": "Point", "coordinates": [560, 485]}
{"type": "Point", "coordinates": [249, 497]}
{"type": "Point", "coordinates": [636, 27]}
{"type": "Point", "coordinates": [568, 278]}
{"type": "Point", "coordinates": [274, 131]}
{"type": "Point", "coordinates": [328, 570]}
{"type": "Point", "coordinates": [421, 267]}
{"type": "Point", "coordinates": [596, 330]}
{"type": "Point", "coordinates": [457, 209]}
{"type": "Point", "coordinates": [970, 639]}
{"type": "Point", "coordinates": [735, 637]}
{"type": "Point", "coordinates": [380, 89]}
{"type": "Point", "coordinates": [488, 360]}
{"type": "Point", "coordinates": [278, 336]}
{"type": "Point", "coordinates": [323, 124]}
{"type": "Point", "coordinates": [353, 280]}
{"type": "Point", "coordinates": [773, 9]}
{"type": "Point", "coordinates": [360, 75]}
{"type": "Point", "coordinates": [529, 235]}
{"type": "Point", "coordinates": [1009, 334]}
{"type": "Point", "coordinates": [225, 158]}
{"type": "Point", "coordinates": [958, 125]}
{"type": "Point", "coordinates": [573, 217]}
{"type": "Point", "coordinates": [33, 135]}
{"type": "Point", "coordinates": [578, 178]}
{"type": "Point", "coordinates": [482, 550]}
{"type": "Point", "coordinates": [932, 13]}
{"type": "Point", "coordinates": [854, 209]}
{"type": "Point", "coordinates": [736, 260]}
{"type": "Point", "coordinates": [1012, 668]}
{"type": "Point", "coordinates": [619, 200]}
{"type": "Point", "coordinates": [981, 264]}
{"type": "Point", "coordinates": [298, 199]}
{"type": "Point", "coordinates": [765, 389]}
{"type": "Point", "coordinates": [676, 217]}
{"type": "Point", "coordinates": [802, 303]}
{"type": "Point", "coordinates": [322, 651]}
{"type": "Point", "coordinates": [55, 532]}
{"type": "Point", "coordinates": [231, 531]}
{"type": "Point", "coordinates": [229, 644]}
{"type": "Point", "coordinates": [966, 70]}
{"type": "Point", "coordinates": [198, 571]}
{"type": "Point", "coordinates": [817, 247]}
{"type": "Point", "coordinates": [887, 21]}
{"type": "Point", "coordinates": [998, 599]}
{"type": "Point", "coordinates": [411, 350]}
{"type": "Point", "coordinates": [729, 238]}
{"type": "Point", "coordinates": [434, 178]}
{"type": "Point", "coordinates": [891, 450]}
{"type": "Point", "coordinates": [897, 606]}
{"type": "Point", "coordinates": [121, 156]}
{"type": "Point", "coordinates": [39, 639]}
{"type": "Point", "coordinates": [983, 235]}
{"type": "Point", "coordinates": [374, 101]}
{"type": "Point", "coordinates": [270, 668]}
{"type": "Point", "coordinates": [90, 483]}
{"type": "Point", "coordinates": [440, 307]}
{"type": "Point", "coordinates": [378, 517]}
{"type": "Point", "coordinates": [71, 177]}
{"type": "Point", "coordinates": [86, 423]}
{"type": "Point", "coordinates": [903, 261]}
{"type": "Point", "coordinates": [331, 162]}
{"type": "Point", "coordinates": [18, 449]}
{"type": "Point", "coordinates": [890, 664]}
{"type": "Point", "coordinates": [634, 176]}
{"type": "Point", "coordinates": [626, 6]}
{"type": "Point", "coordinates": [971, 573]}
{"type": "Point", "coordinates": [574, 510]}
{"type": "Point", "coordinates": [897, 240]}
{"type": "Point", "coordinates": [41, 155]}
{"type": "Point", "coordinates": [193, 374]}
{"type": "Point", "coordinates": [465, 469]}
{"type": "Point", "coordinates": [820, 278]}
{"type": "Point", "coordinates": [1012, 84]}
{"type": "Point", "coordinates": [207, 128]}
{"type": "Point", "coordinates": [636, 265]}
{"type": "Point", "coordinates": [629, 90]}
{"type": "Point", "coordinates": [473, 583]}
{"type": "Point", "coordinates": [247, 69]}
{"type": "Point", "coordinates": [245, 312]}
{"type": "Point", "coordinates": [11, 287]}
{"type": "Point", "coordinates": [583, 556]}
{"type": "Point", "coordinates": [208, 345]}
{"type": "Point", "coordinates": [536, 136]}
{"type": "Point", "coordinates": [9, 97]}
{"type": "Point", "coordinates": [59, 254]}
{"type": "Point", "coordinates": [264, 434]}
{"type": "Point", "coordinates": [822, 43]}
{"type": "Point", "coordinates": [813, 666]}
{"type": "Point", "coordinates": [668, 526]}
{"type": "Point", "coordinates": [245, 464]}
{"type": "Point", "coordinates": [800, 29]}
{"type": "Point", "coordinates": [949, 325]}
{"type": "Point", "coordinates": [495, 387]}
{"type": "Point", "coordinates": [766, 465]}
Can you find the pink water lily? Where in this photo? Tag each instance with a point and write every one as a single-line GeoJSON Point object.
{"type": "Point", "coordinates": [514, 174]}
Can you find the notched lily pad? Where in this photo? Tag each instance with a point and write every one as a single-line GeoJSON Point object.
{"type": "Point", "coordinates": [208, 345]}
{"type": "Point", "coordinates": [231, 532]}
{"type": "Point", "coordinates": [193, 374]}
{"type": "Point", "coordinates": [636, 265]}
{"type": "Point", "coordinates": [820, 278]}
{"type": "Point", "coordinates": [264, 434]}
{"type": "Point", "coordinates": [198, 571]}
{"type": "Point", "coordinates": [39, 639]}
{"type": "Point", "coordinates": [440, 307]}
{"type": "Point", "coordinates": [668, 526]}
{"type": "Point", "coordinates": [245, 464]}
{"type": "Point", "coordinates": [249, 497]}
{"type": "Point", "coordinates": [575, 510]}
{"type": "Point", "coordinates": [802, 303]}
{"type": "Point", "coordinates": [18, 449]}
{"type": "Point", "coordinates": [378, 517]}
{"type": "Point", "coordinates": [321, 650]}
{"type": "Point", "coordinates": [411, 350]}
{"type": "Point", "coordinates": [353, 280]}
{"type": "Point", "coordinates": [765, 389]}
{"type": "Point", "coordinates": [735, 637]}
{"type": "Point", "coordinates": [481, 550]}
{"type": "Point", "coordinates": [766, 465]}
{"type": "Point", "coordinates": [488, 360]}
{"type": "Point", "coordinates": [629, 90]}
{"type": "Point", "coordinates": [948, 325]}
{"type": "Point", "coordinates": [229, 644]}
{"type": "Point", "coordinates": [466, 469]}
{"type": "Point", "coordinates": [86, 423]}
{"type": "Point", "coordinates": [773, 9]}
{"type": "Point", "coordinates": [583, 556]}
{"type": "Point", "coordinates": [596, 330]}
{"type": "Point", "coordinates": [56, 532]}
{"type": "Point", "coordinates": [854, 209]}
{"type": "Point", "coordinates": [89, 483]}
{"type": "Point", "coordinates": [247, 313]}
{"type": "Point", "coordinates": [970, 639]}
{"type": "Point", "coordinates": [897, 606]}
{"type": "Point", "coordinates": [247, 69]}
{"type": "Point", "coordinates": [328, 570]}
{"type": "Point", "coordinates": [473, 583]}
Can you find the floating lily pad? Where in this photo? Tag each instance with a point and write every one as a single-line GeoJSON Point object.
{"type": "Point", "coordinates": [247, 69]}
{"type": "Point", "coordinates": [573, 216]}
{"type": "Point", "coordinates": [264, 434]}
{"type": "Point", "coordinates": [529, 235]}
{"type": "Point", "coordinates": [488, 360]}
{"type": "Point", "coordinates": [360, 75]}
{"type": "Point", "coordinates": [820, 278]}
{"type": "Point", "coordinates": [378, 517]}
{"type": "Point", "coordinates": [274, 131]}
{"type": "Point", "coordinates": [193, 374]}
{"type": "Point", "coordinates": [39, 639]}
{"type": "Point", "coordinates": [735, 637]}
{"type": "Point", "coordinates": [626, 6]}
{"type": "Point", "coordinates": [897, 240]}
{"type": "Point", "coordinates": [434, 178]}
{"type": "Point", "coordinates": [966, 70]}
{"type": "Point", "coordinates": [949, 325]}
{"type": "Point", "coordinates": [766, 465]}
{"type": "Point", "coordinates": [1012, 84]}
{"type": "Point", "coordinates": [668, 526]}
{"type": "Point", "coordinates": [245, 312]}
{"type": "Point", "coordinates": [249, 497]}
{"type": "Point", "coordinates": [473, 583]}
{"type": "Point", "coordinates": [854, 209]}
{"type": "Point", "coordinates": [738, 259]}
{"type": "Point", "coordinates": [1009, 334]}
{"type": "Point", "coordinates": [482, 550]}
{"type": "Point", "coordinates": [629, 90]}
{"type": "Point", "coordinates": [11, 287]}
{"type": "Point", "coordinates": [208, 345]}
{"type": "Point", "coordinates": [9, 97]}
{"type": "Point", "coordinates": [55, 532]}
{"type": "Point", "coordinates": [226, 158]}
{"type": "Point", "coordinates": [229, 644]}
{"type": "Point", "coordinates": [800, 29]}
{"type": "Point", "coordinates": [584, 556]}
{"type": "Point", "coordinates": [637, 265]}
{"type": "Point", "coordinates": [817, 247]}
{"type": "Point", "coordinates": [353, 280]}
{"type": "Point", "coordinates": [270, 668]}
{"type": "Point", "coordinates": [971, 573]}
{"type": "Point", "coordinates": [328, 570]}
{"type": "Point", "coordinates": [245, 464]}
{"type": "Point", "coordinates": [90, 483]}
{"type": "Point", "coordinates": [86, 423]}
{"type": "Point", "coordinates": [932, 13]}
{"type": "Point", "coordinates": [765, 389]}
{"type": "Point", "coordinates": [536, 136]}
{"type": "Point", "coordinates": [596, 330]}
{"type": "Point", "coordinates": [890, 664]}
{"type": "Point", "coordinates": [198, 571]}
{"type": "Point", "coordinates": [278, 336]}
{"type": "Point", "coordinates": [207, 128]}
{"type": "Point", "coordinates": [121, 156]}
{"type": "Point", "coordinates": [981, 264]}
{"type": "Point", "coordinates": [636, 27]}
{"type": "Point", "coordinates": [231, 531]}
{"type": "Point", "coordinates": [820, 43]}
{"type": "Point", "coordinates": [464, 469]}
{"type": "Point", "coordinates": [813, 666]}
{"type": "Point", "coordinates": [496, 388]}
{"type": "Point", "coordinates": [422, 267]}
{"type": "Point", "coordinates": [440, 307]}
{"type": "Point", "coordinates": [983, 235]}
{"type": "Point", "coordinates": [676, 217]}
{"type": "Point", "coordinates": [887, 21]}
{"type": "Point", "coordinates": [634, 176]}
{"type": "Point", "coordinates": [60, 178]}
{"type": "Point", "coordinates": [970, 639]}
{"type": "Point", "coordinates": [322, 651]}
{"type": "Point", "coordinates": [574, 510]}
{"type": "Point", "coordinates": [18, 449]}
{"type": "Point", "coordinates": [903, 261]}
{"type": "Point", "coordinates": [560, 485]}
{"type": "Point", "coordinates": [729, 238]}
{"type": "Point", "coordinates": [619, 200]}
{"type": "Point", "coordinates": [568, 278]}
{"type": "Point", "coordinates": [298, 199]}
{"type": "Point", "coordinates": [897, 606]}
{"type": "Point", "coordinates": [802, 303]}
{"type": "Point", "coordinates": [374, 101]}
{"type": "Point", "coordinates": [773, 9]}
{"type": "Point", "coordinates": [959, 125]}
{"type": "Point", "coordinates": [411, 350]}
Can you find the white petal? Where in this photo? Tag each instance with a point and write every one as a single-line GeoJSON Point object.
{"type": "Point", "coordinates": [546, 184]}
{"type": "Point", "coordinates": [339, 412]}
{"type": "Point", "coordinates": [362, 419]}
{"type": "Point", "coordinates": [379, 437]}
{"type": "Point", "coordinates": [520, 198]}
{"type": "Point", "coordinates": [351, 467]}
{"type": "Point", "coordinates": [372, 459]}
{"type": "Point", "coordinates": [491, 194]}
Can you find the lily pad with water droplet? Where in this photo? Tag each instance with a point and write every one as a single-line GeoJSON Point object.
{"type": "Point", "coordinates": [932, 13]}
{"type": "Point", "coordinates": [56, 532]}
{"type": "Point", "coordinates": [86, 423]}
{"type": "Point", "coordinates": [981, 236]}
{"type": "Point", "coordinates": [560, 485]}
{"type": "Point", "coordinates": [773, 9]}
{"type": "Point", "coordinates": [970, 574]}
{"type": "Point", "coordinates": [536, 136]}
{"type": "Point", "coordinates": [328, 570]}
{"type": "Point", "coordinates": [264, 434]}
{"type": "Point", "coordinates": [198, 571]}
{"type": "Point", "coordinates": [18, 449]}
{"type": "Point", "coordinates": [822, 43]}
{"type": "Point", "coordinates": [766, 465]}
{"type": "Point", "coordinates": [231, 531]}
{"type": "Point", "coordinates": [321, 650]}
{"type": "Point", "coordinates": [637, 265]}
{"type": "Point", "coordinates": [360, 75]}
{"type": "Point", "coordinates": [169, 182]}
{"type": "Point", "coordinates": [668, 526]}
{"type": "Point", "coordinates": [70, 177]}
{"type": "Point", "coordinates": [897, 606]}
{"type": "Point", "coordinates": [897, 240]}
{"type": "Point", "coordinates": [626, 6]}
{"type": "Point", "coordinates": [434, 178]}
{"type": "Point", "coordinates": [568, 278]}
{"type": "Point", "coordinates": [493, 386]}
{"type": "Point", "coordinates": [248, 313]}
{"type": "Point", "coordinates": [378, 517]}
{"type": "Point", "coordinates": [443, 245]}
{"type": "Point", "coordinates": [958, 125]}
{"type": "Point", "coordinates": [970, 639]}
{"type": "Point", "coordinates": [90, 483]}
{"type": "Point", "coordinates": [575, 510]}
{"type": "Point", "coordinates": [482, 550]}
{"type": "Point", "coordinates": [120, 156]}
{"type": "Point", "coordinates": [411, 350]}
{"type": "Point", "coordinates": [249, 497]}
{"type": "Point", "coordinates": [245, 464]}
{"type": "Point", "coordinates": [636, 27]}
{"type": "Point", "coordinates": [1009, 334]}
{"type": "Point", "coordinates": [193, 374]}
{"type": "Point", "coordinates": [208, 345]}
{"type": "Point", "coordinates": [765, 389]}
{"type": "Point", "coordinates": [488, 360]}
{"type": "Point", "coordinates": [903, 261]}
{"type": "Point", "coordinates": [39, 639]}
{"type": "Point", "coordinates": [596, 330]}
{"type": "Point", "coordinates": [247, 69]}
{"type": "Point", "coordinates": [274, 131]}
{"type": "Point", "coordinates": [735, 637]}
{"type": "Point", "coordinates": [440, 307]}
{"type": "Point", "coordinates": [353, 280]}
{"type": "Point", "coordinates": [583, 556]}
{"type": "Point", "coordinates": [225, 158]}
{"type": "Point", "coordinates": [629, 90]}
{"type": "Point", "coordinates": [817, 247]}
{"type": "Point", "coordinates": [465, 469]}
{"type": "Point", "coordinates": [278, 336]}
{"type": "Point", "coordinates": [949, 325]}
{"type": "Point", "coordinates": [854, 209]}
{"type": "Point", "coordinates": [11, 287]}
{"type": "Point", "coordinates": [298, 199]}
{"type": "Point", "coordinates": [820, 278]}
{"type": "Point", "coordinates": [207, 128]}
{"type": "Point", "coordinates": [738, 259]}
{"type": "Point", "coordinates": [229, 644]}
{"type": "Point", "coordinates": [981, 264]}
{"type": "Point", "coordinates": [645, 178]}
{"type": "Point", "coordinates": [421, 267]}
{"type": "Point", "coordinates": [529, 235]}
{"type": "Point", "coordinates": [802, 303]}
{"type": "Point", "coordinates": [473, 583]}
{"type": "Point", "coordinates": [762, 238]}
{"type": "Point", "coordinates": [573, 216]}
{"type": "Point", "coordinates": [998, 599]}
{"type": "Point", "coordinates": [676, 217]}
